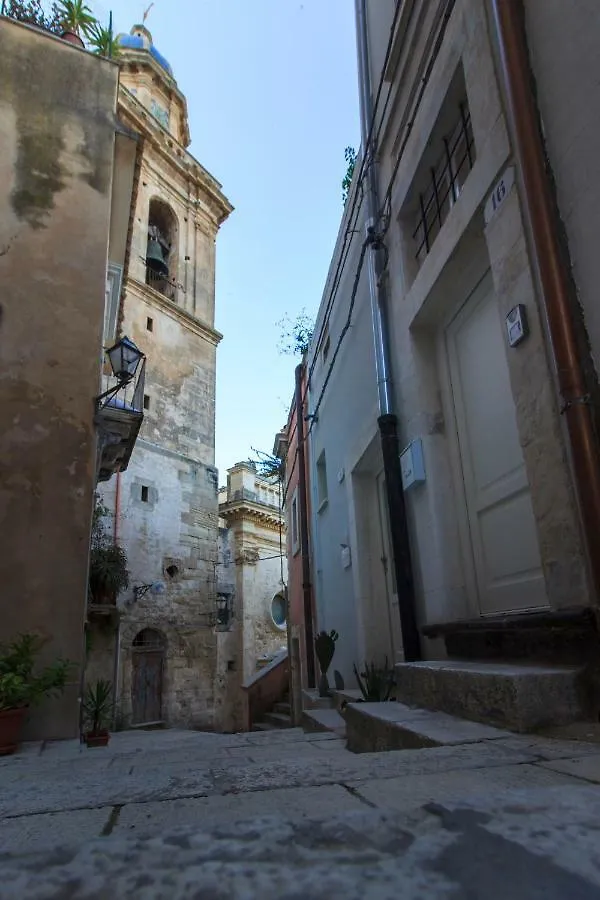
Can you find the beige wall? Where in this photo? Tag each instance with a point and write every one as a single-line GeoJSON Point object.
{"type": "Point", "coordinates": [56, 158]}
{"type": "Point", "coordinates": [249, 560]}
{"type": "Point", "coordinates": [173, 460]}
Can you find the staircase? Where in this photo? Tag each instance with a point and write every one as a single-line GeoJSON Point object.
{"type": "Point", "coordinates": [516, 674]}
{"type": "Point", "coordinates": [280, 716]}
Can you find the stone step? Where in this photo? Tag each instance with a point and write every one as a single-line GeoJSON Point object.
{"type": "Point", "coordinates": [279, 720]}
{"type": "Point", "coordinates": [374, 727]}
{"type": "Point", "coordinates": [518, 697]}
{"type": "Point", "coordinates": [324, 720]}
{"type": "Point", "coordinates": [311, 700]}
{"type": "Point", "coordinates": [348, 695]}
{"type": "Point", "coordinates": [283, 707]}
{"type": "Point", "coordinates": [264, 726]}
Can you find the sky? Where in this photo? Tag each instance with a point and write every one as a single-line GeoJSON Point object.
{"type": "Point", "coordinates": [272, 97]}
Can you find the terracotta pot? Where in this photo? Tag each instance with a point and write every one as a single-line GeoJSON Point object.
{"type": "Point", "coordinates": [71, 38]}
{"type": "Point", "coordinates": [97, 738]}
{"type": "Point", "coordinates": [11, 725]}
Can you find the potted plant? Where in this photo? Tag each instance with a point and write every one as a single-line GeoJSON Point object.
{"type": "Point", "coordinates": [376, 683]}
{"type": "Point", "coordinates": [21, 688]}
{"type": "Point", "coordinates": [325, 648]}
{"type": "Point", "coordinates": [76, 19]}
{"type": "Point", "coordinates": [97, 709]}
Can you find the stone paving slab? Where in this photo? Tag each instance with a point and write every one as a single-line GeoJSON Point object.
{"type": "Point", "coordinates": [42, 832]}
{"type": "Point", "coordinates": [586, 767]}
{"type": "Point", "coordinates": [526, 844]}
{"type": "Point", "coordinates": [291, 803]}
{"type": "Point", "coordinates": [410, 792]}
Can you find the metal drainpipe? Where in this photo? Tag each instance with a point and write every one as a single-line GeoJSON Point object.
{"type": "Point", "coordinates": [509, 21]}
{"type": "Point", "coordinates": [116, 661]}
{"type": "Point", "coordinates": [304, 548]}
{"type": "Point", "coordinates": [387, 421]}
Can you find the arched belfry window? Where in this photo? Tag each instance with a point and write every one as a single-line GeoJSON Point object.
{"type": "Point", "coordinates": [161, 252]}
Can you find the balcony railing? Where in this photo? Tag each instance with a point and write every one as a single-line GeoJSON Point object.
{"type": "Point", "coordinates": [165, 286]}
{"type": "Point", "coordinates": [119, 416]}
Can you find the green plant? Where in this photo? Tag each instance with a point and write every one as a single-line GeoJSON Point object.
{"type": "Point", "coordinates": [103, 42]}
{"type": "Point", "coordinates": [108, 574]}
{"type": "Point", "coordinates": [19, 685]}
{"type": "Point", "coordinates": [76, 16]}
{"type": "Point", "coordinates": [350, 157]}
{"type": "Point", "coordinates": [376, 682]}
{"type": "Point", "coordinates": [295, 335]}
{"type": "Point", "coordinates": [33, 13]}
{"type": "Point", "coordinates": [97, 706]}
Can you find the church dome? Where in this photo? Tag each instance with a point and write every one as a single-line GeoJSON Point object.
{"type": "Point", "coordinates": [140, 38]}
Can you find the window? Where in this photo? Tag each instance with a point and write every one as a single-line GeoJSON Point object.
{"type": "Point", "coordinates": [144, 493]}
{"type": "Point", "coordinates": [321, 481]}
{"type": "Point", "coordinates": [446, 181]}
{"type": "Point", "coordinates": [146, 401]}
{"type": "Point", "coordinates": [294, 524]}
{"type": "Point", "coordinates": [149, 324]}
{"type": "Point", "coordinates": [279, 611]}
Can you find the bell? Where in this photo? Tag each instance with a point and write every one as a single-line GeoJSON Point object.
{"type": "Point", "coordinates": [155, 259]}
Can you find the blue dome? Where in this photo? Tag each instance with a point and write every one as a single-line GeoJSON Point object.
{"type": "Point", "coordinates": [141, 39]}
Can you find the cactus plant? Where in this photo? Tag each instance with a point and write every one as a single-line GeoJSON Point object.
{"type": "Point", "coordinates": [325, 648]}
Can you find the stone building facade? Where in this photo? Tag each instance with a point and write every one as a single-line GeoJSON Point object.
{"type": "Point", "coordinates": [251, 578]}
{"type": "Point", "coordinates": [62, 155]}
{"type": "Point", "coordinates": [164, 509]}
{"type": "Point", "coordinates": [492, 495]}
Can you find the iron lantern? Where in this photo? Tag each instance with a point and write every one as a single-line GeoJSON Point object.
{"type": "Point", "coordinates": [124, 359]}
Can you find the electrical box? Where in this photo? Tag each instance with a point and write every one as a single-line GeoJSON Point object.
{"type": "Point", "coordinates": [516, 325]}
{"type": "Point", "coordinates": [412, 464]}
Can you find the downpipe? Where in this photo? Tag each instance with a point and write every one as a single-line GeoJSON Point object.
{"type": "Point", "coordinates": [387, 421]}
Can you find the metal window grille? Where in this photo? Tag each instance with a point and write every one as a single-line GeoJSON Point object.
{"type": "Point", "coordinates": [446, 182]}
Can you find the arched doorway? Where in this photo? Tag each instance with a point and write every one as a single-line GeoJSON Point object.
{"type": "Point", "coordinates": [148, 655]}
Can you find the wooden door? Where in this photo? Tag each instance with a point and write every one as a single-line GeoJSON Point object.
{"type": "Point", "coordinates": [146, 688]}
{"type": "Point", "coordinates": [501, 521]}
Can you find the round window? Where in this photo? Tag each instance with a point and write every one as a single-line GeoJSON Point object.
{"type": "Point", "coordinates": [278, 610]}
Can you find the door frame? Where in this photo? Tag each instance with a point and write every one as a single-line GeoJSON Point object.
{"type": "Point", "coordinates": [148, 650]}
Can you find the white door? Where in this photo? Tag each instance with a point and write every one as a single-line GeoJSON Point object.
{"type": "Point", "coordinates": [500, 516]}
{"type": "Point", "coordinates": [387, 564]}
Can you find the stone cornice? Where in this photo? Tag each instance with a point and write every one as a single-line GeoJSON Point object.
{"type": "Point", "coordinates": [187, 165]}
{"type": "Point", "coordinates": [145, 292]}
{"type": "Point", "coordinates": [257, 513]}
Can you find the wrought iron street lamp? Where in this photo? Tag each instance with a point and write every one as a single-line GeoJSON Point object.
{"type": "Point", "coordinates": [125, 358]}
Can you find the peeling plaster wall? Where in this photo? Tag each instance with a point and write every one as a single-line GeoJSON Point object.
{"type": "Point", "coordinates": [56, 154]}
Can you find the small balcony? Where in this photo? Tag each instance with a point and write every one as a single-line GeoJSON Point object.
{"type": "Point", "coordinates": [119, 417]}
{"type": "Point", "coordinates": [161, 283]}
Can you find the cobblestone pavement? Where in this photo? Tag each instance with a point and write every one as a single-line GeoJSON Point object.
{"type": "Point", "coordinates": [177, 814]}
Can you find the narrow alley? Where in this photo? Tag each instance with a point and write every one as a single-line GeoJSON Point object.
{"type": "Point", "coordinates": [286, 814]}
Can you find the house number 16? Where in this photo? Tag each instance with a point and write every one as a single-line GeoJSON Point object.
{"type": "Point", "coordinates": [499, 194]}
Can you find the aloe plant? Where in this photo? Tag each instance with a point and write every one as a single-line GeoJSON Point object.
{"type": "Point", "coordinates": [375, 682]}
{"type": "Point", "coordinates": [76, 16]}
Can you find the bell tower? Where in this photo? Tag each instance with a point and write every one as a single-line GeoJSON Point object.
{"type": "Point", "coordinates": [165, 505]}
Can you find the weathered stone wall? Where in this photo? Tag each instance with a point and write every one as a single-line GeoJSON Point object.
{"type": "Point", "coordinates": [250, 561]}
{"type": "Point", "coordinates": [166, 502]}
{"type": "Point", "coordinates": [57, 108]}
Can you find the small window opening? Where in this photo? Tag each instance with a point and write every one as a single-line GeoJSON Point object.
{"type": "Point", "coordinates": [321, 480]}
{"type": "Point", "coordinates": [144, 493]}
{"type": "Point", "coordinates": [172, 571]}
{"type": "Point", "coordinates": [146, 401]}
{"type": "Point", "coordinates": [231, 665]}
{"type": "Point", "coordinates": [149, 324]}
